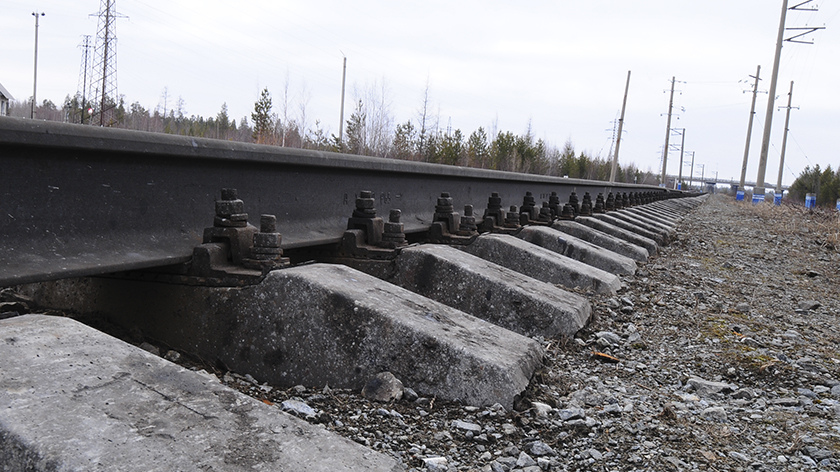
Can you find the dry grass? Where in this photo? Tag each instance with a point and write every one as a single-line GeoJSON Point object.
{"type": "Point", "coordinates": [790, 219]}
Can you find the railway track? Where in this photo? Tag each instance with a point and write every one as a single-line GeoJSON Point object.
{"type": "Point", "coordinates": [440, 275]}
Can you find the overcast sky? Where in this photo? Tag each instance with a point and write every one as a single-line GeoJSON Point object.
{"type": "Point", "coordinates": [559, 65]}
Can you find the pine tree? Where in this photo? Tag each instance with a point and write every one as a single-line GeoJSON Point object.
{"type": "Point", "coordinates": [263, 119]}
{"type": "Point", "coordinates": [222, 119]}
{"type": "Point", "coordinates": [477, 148]}
{"type": "Point", "coordinates": [404, 141]}
{"type": "Point", "coordinates": [356, 128]}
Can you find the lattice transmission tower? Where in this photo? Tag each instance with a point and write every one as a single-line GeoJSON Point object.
{"type": "Point", "coordinates": [103, 76]}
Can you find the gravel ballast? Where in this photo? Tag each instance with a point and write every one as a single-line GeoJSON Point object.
{"type": "Point", "coordinates": [719, 354]}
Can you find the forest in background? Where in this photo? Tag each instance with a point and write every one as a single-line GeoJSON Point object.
{"type": "Point", "coordinates": [369, 130]}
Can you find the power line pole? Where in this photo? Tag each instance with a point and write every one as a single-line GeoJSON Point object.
{"type": "Point", "coordinates": [614, 122]}
{"type": "Point", "coordinates": [341, 120]}
{"type": "Point", "coordinates": [682, 153]}
{"type": "Point", "coordinates": [614, 169]}
{"type": "Point", "coordinates": [691, 180]}
{"type": "Point", "coordinates": [37, 16]}
{"type": "Point", "coordinates": [758, 192]}
{"type": "Point", "coordinates": [663, 183]}
{"type": "Point", "coordinates": [784, 140]}
{"type": "Point", "coordinates": [83, 73]}
{"type": "Point", "coordinates": [749, 133]}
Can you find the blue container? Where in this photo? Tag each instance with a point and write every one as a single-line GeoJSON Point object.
{"type": "Point", "coordinates": [778, 199]}
{"type": "Point", "coordinates": [810, 200]}
{"type": "Point", "coordinates": [739, 196]}
{"type": "Point", "coordinates": [757, 199]}
{"type": "Point", "coordinates": [838, 204]}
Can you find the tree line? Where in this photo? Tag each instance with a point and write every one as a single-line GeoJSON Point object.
{"type": "Point", "coordinates": [369, 131]}
{"type": "Point", "coordinates": [824, 184]}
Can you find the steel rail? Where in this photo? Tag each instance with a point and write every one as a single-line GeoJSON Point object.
{"type": "Point", "coordinates": [81, 200]}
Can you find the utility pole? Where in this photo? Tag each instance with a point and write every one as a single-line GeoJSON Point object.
{"type": "Point", "coordinates": [83, 74]}
{"type": "Point", "coordinates": [749, 133]}
{"type": "Point", "coordinates": [691, 180]}
{"type": "Point", "coordinates": [682, 153]}
{"type": "Point", "coordinates": [784, 140]}
{"type": "Point", "coordinates": [341, 119]}
{"type": "Point", "coordinates": [614, 169]}
{"type": "Point", "coordinates": [758, 192]}
{"type": "Point", "coordinates": [663, 183]}
{"type": "Point", "coordinates": [37, 16]}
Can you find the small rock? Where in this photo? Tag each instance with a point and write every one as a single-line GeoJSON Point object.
{"type": "Point", "coordinates": [714, 413]}
{"type": "Point", "coordinates": [436, 464]}
{"type": "Point", "coordinates": [571, 414]}
{"type": "Point", "coordinates": [613, 409]}
{"type": "Point", "coordinates": [539, 448]}
{"type": "Point", "coordinates": [508, 429]}
{"type": "Point", "coordinates": [298, 407]}
{"type": "Point", "coordinates": [595, 454]}
{"type": "Point", "coordinates": [738, 456]}
{"type": "Point", "coordinates": [743, 308]}
{"type": "Point", "coordinates": [466, 426]}
{"type": "Point", "coordinates": [705, 387]}
{"type": "Point", "coordinates": [809, 305]}
{"type": "Point", "coordinates": [818, 454]}
{"type": "Point", "coordinates": [591, 422]}
{"type": "Point", "coordinates": [541, 409]}
{"type": "Point", "coordinates": [609, 337]}
{"type": "Point", "coordinates": [172, 356]}
{"type": "Point", "coordinates": [383, 388]}
{"type": "Point", "coordinates": [512, 452]}
{"type": "Point", "coordinates": [708, 455]}
{"type": "Point", "coordinates": [835, 391]}
{"type": "Point", "coordinates": [743, 394]}
{"type": "Point", "coordinates": [785, 401]}
{"type": "Point", "coordinates": [805, 392]}
{"type": "Point", "coordinates": [150, 348]}
{"type": "Point", "coordinates": [676, 462]}
{"type": "Point", "coordinates": [409, 394]}
{"type": "Point", "coordinates": [525, 460]}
